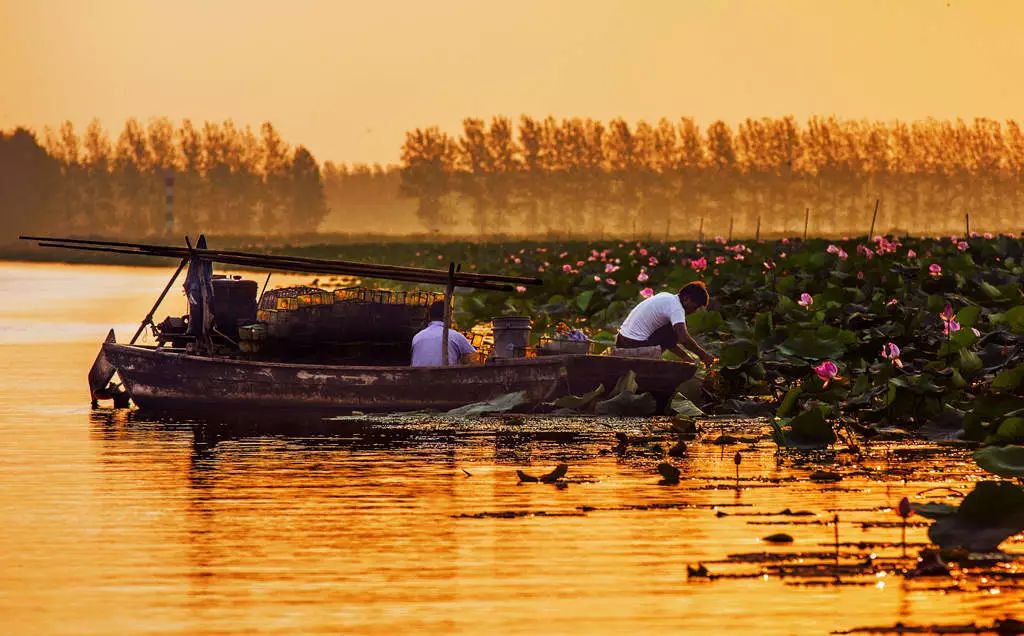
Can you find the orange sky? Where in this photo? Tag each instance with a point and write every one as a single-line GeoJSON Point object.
{"type": "Point", "coordinates": [346, 79]}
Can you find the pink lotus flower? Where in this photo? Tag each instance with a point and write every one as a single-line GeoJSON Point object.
{"type": "Point", "coordinates": [567, 268]}
{"type": "Point", "coordinates": [719, 260]}
{"type": "Point", "coordinates": [974, 330]}
{"type": "Point", "coordinates": [597, 279]}
{"type": "Point", "coordinates": [935, 270]}
{"type": "Point", "coordinates": [892, 301]}
{"type": "Point", "coordinates": [832, 249]}
{"type": "Point", "coordinates": [517, 261]}
{"type": "Point", "coordinates": [768, 264]}
{"type": "Point", "coordinates": [643, 252]}
{"type": "Point", "coordinates": [962, 246]}
{"type": "Point", "coordinates": [860, 275]}
{"type": "Point", "coordinates": [892, 353]}
{"type": "Point", "coordinates": [672, 248]}
{"type": "Point", "coordinates": [911, 254]}
{"type": "Point", "coordinates": [806, 300]}
{"type": "Point", "coordinates": [738, 257]}
{"type": "Point", "coordinates": [949, 323]}
{"type": "Point", "coordinates": [642, 277]}
{"type": "Point", "coordinates": [843, 255]}
{"type": "Point", "coordinates": [521, 289]}
{"type": "Point", "coordinates": [579, 263]}
{"type": "Point", "coordinates": [987, 235]}
{"type": "Point", "coordinates": [826, 371]}
{"type": "Point", "coordinates": [699, 264]}
{"type": "Point", "coordinates": [646, 292]}
{"type": "Point", "coordinates": [609, 268]}
{"type": "Point", "coordinates": [610, 281]}
{"type": "Point", "coordinates": [563, 254]}
{"type": "Point", "coordinates": [652, 261]}
{"type": "Point", "coordinates": [865, 251]}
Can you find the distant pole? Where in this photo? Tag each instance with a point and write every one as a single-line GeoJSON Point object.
{"type": "Point", "coordinates": [169, 201]}
{"type": "Point", "coordinates": [874, 216]}
{"type": "Point", "coordinates": [807, 218]}
{"type": "Point", "coordinates": [967, 225]}
{"type": "Point", "coordinates": [730, 229]}
{"type": "Point", "coordinates": [447, 313]}
{"type": "Point", "coordinates": [757, 233]}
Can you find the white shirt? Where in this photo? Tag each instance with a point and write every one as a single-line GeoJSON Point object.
{"type": "Point", "coordinates": [654, 312]}
{"type": "Point", "coordinates": [426, 346]}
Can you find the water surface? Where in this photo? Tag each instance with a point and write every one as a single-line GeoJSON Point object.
{"type": "Point", "coordinates": [117, 523]}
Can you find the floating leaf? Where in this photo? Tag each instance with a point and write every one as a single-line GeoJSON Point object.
{"type": "Point", "coordinates": [555, 474]}
{"type": "Point", "coordinates": [990, 514]}
{"type": "Point", "coordinates": [811, 427]}
{"type": "Point", "coordinates": [680, 405]}
{"type": "Point", "coordinates": [1009, 379]}
{"type": "Point", "coordinates": [669, 473]}
{"type": "Point", "coordinates": [579, 402]}
{"type": "Point", "coordinates": [1005, 461]}
{"type": "Point", "coordinates": [808, 345]}
{"type": "Point", "coordinates": [583, 299]}
{"type": "Point", "coordinates": [703, 321]}
{"type": "Point", "coordinates": [779, 537]}
{"type": "Point", "coordinates": [500, 404]}
{"type": "Point", "coordinates": [628, 404]}
{"type": "Point", "coordinates": [737, 353]}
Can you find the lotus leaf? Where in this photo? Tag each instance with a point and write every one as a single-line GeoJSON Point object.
{"type": "Point", "coordinates": [810, 427]}
{"type": "Point", "coordinates": [789, 401]}
{"type": "Point", "coordinates": [1005, 461]}
{"type": "Point", "coordinates": [579, 402]}
{"type": "Point", "coordinates": [1009, 379]}
{"type": "Point", "coordinates": [703, 321]}
{"type": "Point", "coordinates": [681, 405]}
{"type": "Point", "coordinates": [628, 404]}
{"type": "Point", "coordinates": [808, 345]}
{"type": "Point", "coordinates": [737, 353]}
{"type": "Point", "coordinates": [993, 511]}
{"type": "Point", "coordinates": [500, 404]}
{"type": "Point", "coordinates": [1010, 430]}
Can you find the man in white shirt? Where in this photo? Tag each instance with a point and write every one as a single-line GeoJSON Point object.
{"type": "Point", "coordinates": [426, 345]}
{"type": "Point", "coordinates": [661, 321]}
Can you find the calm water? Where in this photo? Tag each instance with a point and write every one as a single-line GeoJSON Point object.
{"type": "Point", "coordinates": [118, 524]}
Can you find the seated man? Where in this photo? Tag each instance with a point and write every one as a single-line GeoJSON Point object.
{"type": "Point", "coordinates": [661, 320]}
{"type": "Point", "coordinates": [426, 345]}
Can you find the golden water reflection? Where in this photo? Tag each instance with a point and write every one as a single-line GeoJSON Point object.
{"type": "Point", "coordinates": [116, 523]}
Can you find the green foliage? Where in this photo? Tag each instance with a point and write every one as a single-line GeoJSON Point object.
{"type": "Point", "coordinates": [1005, 461]}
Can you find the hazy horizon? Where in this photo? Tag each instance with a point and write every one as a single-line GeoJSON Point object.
{"type": "Point", "coordinates": [348, 80]}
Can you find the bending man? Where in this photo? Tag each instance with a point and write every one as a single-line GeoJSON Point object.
{"type": "Point", "coordinates": [661, 321]}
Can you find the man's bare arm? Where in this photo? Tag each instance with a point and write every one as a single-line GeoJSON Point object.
{"type": "Point", "coordinates": [686, 340]}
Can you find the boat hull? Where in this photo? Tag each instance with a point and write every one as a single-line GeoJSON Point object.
{"type": "Point", "coordinates": [160, 379]}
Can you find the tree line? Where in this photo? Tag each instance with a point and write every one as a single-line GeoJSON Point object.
{"type": "Point", "coordinates": [578, 177]}
{"type": "Point", "coordinates": [227, 179]}
{"type": "Point", "coordinates": [583, 176]}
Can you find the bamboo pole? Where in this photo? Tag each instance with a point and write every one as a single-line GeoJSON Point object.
{"type": "Point", "coordinates": [263, 262]}
{"type": "Point", "coordinates": [148, 320]}
{"type": "Point", "coordinates": [807, 218]}
{"type": "Point", "coordinates": [730, 229]}
{"type": "Point", "coordinates": [967, 226]}
{"type": "Point", "coordinates": [757, 233]}
{"type": "Point", "coordinates": [378, 271]}
{"type": "Point", "coordinates": [874, 216]}
{"type": "Point", "coordinates": [448, 291]}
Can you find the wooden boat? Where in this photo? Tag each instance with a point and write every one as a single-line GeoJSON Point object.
{"type": "Point", "coordinates": [211, 369]}
{"type": "Point", "coordinates": [172, 380]}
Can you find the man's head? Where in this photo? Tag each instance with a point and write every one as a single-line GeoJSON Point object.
{"type": "Point", "coordinates": [693, 296]}
{"type": "Point", "coordinates": [437, 310]}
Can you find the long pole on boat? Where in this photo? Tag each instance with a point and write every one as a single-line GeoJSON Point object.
{"type": "Point", "coordinates": [448, 290]}
{"type": "Point", "coordinates": [148, 320]}
{"type": "Point", "coordinates": [293, 263]}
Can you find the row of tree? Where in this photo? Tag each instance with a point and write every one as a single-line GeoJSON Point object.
{"type": "Point", "coordinates": [226, 179]}
{"type": "Point", "coordinates": [586, 175]}
{"type": "Point", "coordinates": [537, 176]}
